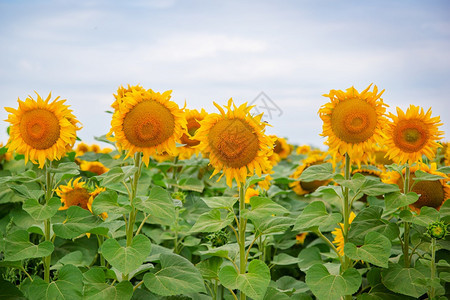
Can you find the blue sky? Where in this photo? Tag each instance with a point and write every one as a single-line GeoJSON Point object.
{"type": "Point", "coordinates": [293, 51]}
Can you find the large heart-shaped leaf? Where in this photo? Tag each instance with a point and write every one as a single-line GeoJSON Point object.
{"type": "Point", "coordinates": [41, 212]}
{"type": "Point", "coordinates": [329, 287]}
{"type": "Point", "coordinates": [159, 205]}
{"type": "Point", "coordinates": [220, 202]}
{"type": "Point", "coordinates": [397, 199]}
{"type": "Point", "coordinates": [317, 172]}
{"type": "Point", "coordinates": [79, 221]}
{"type": "Point", "coordinates": [262, 208]}
{"type": "Point", "coordinates": [401, 280]}
{"type": "Point", "coordinates": [212, 221]}
{"type": "Point", "coordinates": [376, 250]}
{"type": "Point", "coordinates": [68, 286]}
{"type": "Point", "coordinates": [127, 259]}
{"type": "Point", "coordinates": [95, 287]}
{"type": "Point", "coordinates": [315, 216]}
{"type": "Point", "coordinates": [176, 276]}
{"type": "Point", "coordinates": [107, 202]}
{"type": "Point", "coordinates": [254, 283]}
{"type": "Point", "coordinates": [19, 247]}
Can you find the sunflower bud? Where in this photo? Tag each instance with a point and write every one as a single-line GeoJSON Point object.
{"type": "Point", "coordinates": [179, 196]}
{"type": "Point", "coordinates": [437, 230]}
{"type": "Point", "coordinates": [218, 238]}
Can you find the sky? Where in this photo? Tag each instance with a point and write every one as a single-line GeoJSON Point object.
{"type": "Point", "coordinates": [282, 56]}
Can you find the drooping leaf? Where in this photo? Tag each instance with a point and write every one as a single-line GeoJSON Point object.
{"type": "Point", "coordinates": [176, 276]}
{"type": "Point", "coordinates": [41, 212]}
{"type": "Point", "coordinates": [19, 247]}
{"type": "Point", "coordinates": [396, 199]}
{"type": "Point", "coordinates": [376, 250]}
{"type": "Point", "coordinates": [127, 259]}
{"type": "Point", "coordinates": [95, 287]}
{"type": "Point", "coordinates": [254, 283]}
{"type": "Point", "coordinates": [159, 205]}
{"type": "Point", "coordinates": [401, 280]}
{"type": "Point", "coordinates": [107, 202]}
{"type": "Point", "coordinates": [315, 216]}
{"type": "Point", "coordinates": [212, 221]}
{"type": "Point", "coordinates": [79, 221]}
{"type": "Point", "coordinates": [220, 202]}
{"type": "Point", "coordinates": [330, 287]}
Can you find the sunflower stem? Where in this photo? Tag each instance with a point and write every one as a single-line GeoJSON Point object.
{"type": "Point", "coordinates": [346, 212]}
{"type": "Point", "coordinates": [242, 225]}
{"type": "Point", "coordinates": [47, 223]}
{"type": "Point", "coordinates": [407, 225]}
{"type": "Point", "coordinates": [432, 291]}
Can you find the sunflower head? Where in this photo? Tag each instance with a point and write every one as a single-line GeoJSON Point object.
{"type": "Point", "coordinates": [412, 134]}
{"type": "Point", "coordinates": [41, 130]}
{"type": "Point", "coordinates": [301, 187]}
{"type": "Point", "coordinates": [4, 154]}
{"type": "Point", "coordinates": [339, 237]}
{"type": "Point", "coordinates": [75, 193]}
{"type": "Point", "coordinates": [193, 117]}
{"type": "Point", "coordinates": [300, 238]}
{"type": "Point", "coordinates": [93, 166]}
{"type": "Point", "coordinates": [122, 91]}
{"type": "Point", "coordinates": [249, 193]}
{"type": "Point", "coordinates": [147, 122]}
{"type": "Point", "coordinates": [236, 142]}
{"type": "Point", "coordinates": [281, 147]}
{"type": "Point", "coordinates": [433, 193]}
{"type": "Point", "coordinates": [353, 121]}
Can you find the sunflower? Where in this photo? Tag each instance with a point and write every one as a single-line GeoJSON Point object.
{"type": "Point", "coordinates": [236, 142]}
{"type": "Point", "coordinates": [75, 193]}
{"type": "Point", "coordinates": [432, 193]}
{"type": "Point", "coordinates": [303, 149]}
{"type": "Point", "coordinates": [412, 134]}
{"type": "Point", "coordinates": [249, 193]}
{"type": "Point", "coordinates": [147, 122]}
{"type": "Point", "coordinates": [339, 237]}
{"type": "Point", "coordinates": [281, 147]}
{"type": "Point", "coordinates": [122, 92]}
{"type": "Point", "coordinates": [41, 129]}
{"type": "Point", "coordinates": [353, 121]}
{"type": "Point", "coordinates": [5, 156]}
{"type": "Point", "coordinates": [301, 187]}
{"type": "Point", "coordinates": [93, 166]}
{"type": "Point", "coordinates": [300, 238]}
{"type": "Point", "coordinates": [193, 117]}
{"type": "Point", "coordinates": [377, 157]}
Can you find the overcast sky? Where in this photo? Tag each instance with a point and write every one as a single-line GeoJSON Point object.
{"type": "Point", "coordinates": [293, 51]}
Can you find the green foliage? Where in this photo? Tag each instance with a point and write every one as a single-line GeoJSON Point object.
{"type": "Point", "coordinates": [315, 216]}
{"type": "Point", "coordinates": [18, 247]}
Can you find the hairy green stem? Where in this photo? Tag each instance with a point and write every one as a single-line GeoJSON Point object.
{"type": "Point", "coordinates": [407, 225]}
{"type": "Point", "coordinates": [47, 223]}
{"type": "Point", "coordinates": [432, 291]}
{"type": "Point", "coordinates": [346, 212]}
{"type": "Point", "coordinates": [242, 225]}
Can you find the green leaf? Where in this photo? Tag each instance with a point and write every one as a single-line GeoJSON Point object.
{"type": "Point", "coordinates": [68, 286]}
{"type": "Point", "coordinates": [309, 257]}
{"type": "Point", "coordinates": [329, 287]}
{"type": "Point", "coordinates": [9, 291]}
{"type": "Point", "coordinates": [315, 216]}
{"type": "Point", "coordinates": [427, 216]}
{"type": "Point", "coordinates": [209, 268]}
{"type": "Point", "coordinates": [273, 224]}
{"type": "Point", "coordinates": [23, 190]}
{"type": "Point", "coordinates": [445, 211]}
{"type": "Point", "coordinates": [376, 250]}
{"type": "Point", "coordinates": [79, 221]}
{"type": "Point", "coordinates": [284, 259]}
{"type": "Point", "coordinates": [367, 220]}
{"type": "Point", "coordinates": [95, 287]}
{"type": "Point", "coordinates": [127, 259]}
{"type": "Point", "coordinates": [424, 176]}
{"type": "Point", "coordinates": [373, 187]}
{"type": "Point", "coordinates": [19, 247]}
{"type": "Point", "coordinates": [254, 283]}
{"type": "Point", "coordinates": [220, 202]}
{"type": "Point", "coordinates": [177, 276]}
{"type": "Point", "coordinates": [107, 202]}
{"type": "Point", "coordinates": [159, 205]}
{"type": "Point", "coordinates": [41, 212]}
{"type": "Point", "coordinates": [401, 280]}
{"type": "Point", "coordinates": [274, 294]}
{"type": "Point", "coordinates": [190, 184]}
{"type": "Point", "coordinates": [263, 208]}
{"type": "Point", "coordinates": [397, 199]}
{"type": "Point", "coordinates": [317, 172]}
{"type": "Point", "coordinates": [212, 221]}
{"type": "Point", "coordinates": [354, 184]}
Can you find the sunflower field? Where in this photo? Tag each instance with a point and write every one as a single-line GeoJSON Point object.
{"type": "Point", "coordinates": [188, 204]}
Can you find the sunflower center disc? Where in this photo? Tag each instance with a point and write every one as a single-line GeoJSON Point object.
{"type": "Point", "coordinates": [78, 196]}
{"type": "Point", "coordinates": [277, 148]}
{"type": "Point", "coordinates": [148, 124]}
{"type": "Point", "coordinates": [233, 142]}
{"type": "Point", "coordinates": [410, 135]}
{"type": "Point", "coordinates": [354, 120]}
{"type": "Point", "coordinates": [39, 128]}
{"type": "Point", "coordinates": [431, 194]}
